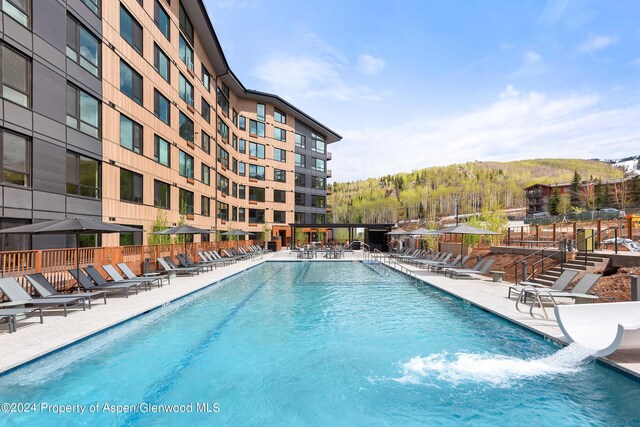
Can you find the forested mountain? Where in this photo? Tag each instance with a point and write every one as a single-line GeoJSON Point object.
{"type": "Point", "coordinates": [431, 193]}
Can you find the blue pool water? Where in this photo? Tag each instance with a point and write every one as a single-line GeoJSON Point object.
{"type": "Point", "coordinates": [322, 344]}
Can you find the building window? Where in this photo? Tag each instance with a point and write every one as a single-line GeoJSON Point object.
{"type": "Point", "coordinates": [241, 215]}
{"type": "Point", "coordinates": [186, 202]}
{"type": "Point", "coordinates": [256, 194]}
{"type": "Point", "coordinates": [186, 127]}
{"type": "Point", "coordinates": [161, 63]}
{"type": "Point", "coordinates": [161, 107]}
{"type": "Point", "coordinates": [279, 175]}
{"type": "Point", "coordinates": [223, 211]}
{"type": "Point", "coordinates": [300, 141]}
{"type": "Point", "coordinates": [242, 123]}
{"type": "Point", "coordinates": [130, 134]}
{"type": "Point", "coordinates": [256, 150]}
{"type": "Point", "coordinates": [300, 160]}
{"type": "Point", "coordinates": [161, 195]}
{"type": "Point", "coordinates": [234, 213]}
{"type": "Point", "coordinates": [318, 165]}
{"type": "Point", "coordinates": [234, 165]}
{"type": "Point", "coordinates": [319, 218]}
{"type": "Point", "coordinates": [130, 29]}
{"type": "Point", "coordinates": [242, 168]}
{"type": "Point", "coordinates": [130, 82]}
{"type": "Point", "coordinates": [162, 20]}
{"type": "Point", "coordinates": [205, 143]}
{"type": "Point", "coordinates": [256, 128]}
{"type": "Point", "coordinates": [206, 110]}
{"type": "Point", "coordinates": [161, 151]}
{"type": "Point", "coordinates": [205, 206]}
{"type": "Point", "coordinates": [185, 90]}
{"type": "Point", "coordinates": [318, 183]}
{"type": "Point", "coordinates": [234, 189]}
{"type": "Point", "coordinates": [279, 155]}
{"type": "Point", "coordinates": [317, 201]}
{"type": "Point", "coordinates": [280, 217]}
{"type": "Point", "coordinates": [185, 24]}
{"type": "Point", "coordinates": [185, 52]}
{"type": "Point", "coordinates": [242, 146]}
{"type": "Point", "coordinates": [279, 196]}
{"type": "Point", "coordinates": [223, 101]}
{"type": "Point", "coordinates": [299, 218]}
{"type": "Point", "coordinates": [279, 134]}
{"type": "Point", "coordinates": [130, 186]}
{"type": "Point", "coordinates": [317, 143]}
{"type": "Point", "coordinates": [256, 216]}
{"type": "Point", "coordinates": [279, 116]}
{"type": "Point", "coordinates": [222, 156]}
{"type": "Point", "coordinates": [83, 111]}
{"type": "Point", "coordinates": [234, 118]}
{"type": "Point", "coordinates": [301, 180]}
{"type": "Point", "coordinates": [15, 76]}
{"type": "Point", "coordinates": [206, 174]}
{"type": "Point", "coordinates": [18, 10]}
{"type": "Point", "coordinates": [206, 78]}
{"type": "Point", "coordinates": [242, 192]}
{"type": "Point", "coordinates": [222, 184]}
{"type": "Point", "coordinates": [300, 199]}
{"type": "Point", "coordinates": [260, 111]}
{"type": "Point", "coordinates": [234, 141]}
{"type": "Point", "coordinates": [82, 46]}
{"type": "Point", "coordinates": [185, 167]}
{"type": "Point", "coordinates": [83, 176]}
{"type": "Point", "coordinates": [94, 5]}
{"type": "Point", "coordinates": [256, 172]}
{"type": "Point", "coordinates": [15, 158]}
{"type": "Point", "coordinates": [131, 238]}
{"type": "Point", "coordinates": [223, 130]}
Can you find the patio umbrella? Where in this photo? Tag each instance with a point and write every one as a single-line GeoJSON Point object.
{"type": "Point", "coordinates": [465, 229]}
{"type": "Point", "coordinates": [236, 233]}
{"type": "Point", "coordinates": [75, 226]}
{"type": "Point", "coordinates": [397, 232]}
{"type": "Point", "coordinates": [421, 232]}
{"type": "Point", "coordinates": [183, 229]}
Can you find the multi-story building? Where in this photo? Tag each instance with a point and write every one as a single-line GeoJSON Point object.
{"type": "Point", "coordinates": [155, 125]}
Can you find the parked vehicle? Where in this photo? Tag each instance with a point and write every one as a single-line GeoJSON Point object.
{"type": "Point", "coordinates": [609, 213]}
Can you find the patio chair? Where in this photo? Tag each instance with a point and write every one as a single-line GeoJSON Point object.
{"type": "Point", "coordinates": [46, 290]}
{"type": "Point", "coordinates": [16, 294]}
{"type": "Point", "coordinates": [212, 261]}
{"type": "Point", "coordinates": [215, 256]}
{"type": "Point", "coordinates": [460, 273]}
{"type": "Point", "coordinates": [88, 285]}
{"type": "Point", "coordinates": [452, 265]}
{"type": "Point", "coordinates": [95, 275]}
{"type": "Point", "coordinates": [525, 287]}
{"type": "Point", "coordinates": [11, 314]}
{"type": "Point", "coordinates": [579, 292]}
{"type": "Point", "coordinates": [117, 278]}
{"type": "Point", "coordinates": [185, 263]}
{"type": "Point", "coordinates": [152, 276]}
{"type": "Point", "coordinates": [167, 267]}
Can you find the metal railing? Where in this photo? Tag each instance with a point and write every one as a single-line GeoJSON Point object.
{"type": "Point", "coordinates": [523, 261]}
{"type": "Point", "coordinates": [388, 261]}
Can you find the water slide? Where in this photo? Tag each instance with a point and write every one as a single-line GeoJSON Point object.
{"type": "Point", "coordinates": [604, 328]}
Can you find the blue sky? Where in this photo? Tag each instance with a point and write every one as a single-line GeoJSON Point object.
{"type": "Point", "coordinates": [411, 84]}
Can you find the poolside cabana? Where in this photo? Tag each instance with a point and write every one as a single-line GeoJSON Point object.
{"type": "Point", "coordinates": [374, 234]}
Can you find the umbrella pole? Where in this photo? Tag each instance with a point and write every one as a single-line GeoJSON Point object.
{"type": "Point", "coordinates": [78, 257]}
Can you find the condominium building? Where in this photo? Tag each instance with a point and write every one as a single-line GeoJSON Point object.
{"type": "Point", "coordinates": [127, 111]}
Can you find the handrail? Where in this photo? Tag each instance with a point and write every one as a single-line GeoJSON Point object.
{"type": "Point", "coordinates": [552, 245]}
{"type": "Point", "coordinates": [361, 243]}
{"type": "Point", "coordinates": [392, 263]}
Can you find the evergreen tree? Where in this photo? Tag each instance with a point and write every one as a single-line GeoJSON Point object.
{"type": "Point", "coordinates": [576, 190]}
{"type": "Point", "coordinates": [554, 201]}
{"type": "Point", "coordinates": [599, 194]}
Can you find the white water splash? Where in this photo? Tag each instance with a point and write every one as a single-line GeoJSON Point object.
{"type": "Point", "coordinates": [496, 370]}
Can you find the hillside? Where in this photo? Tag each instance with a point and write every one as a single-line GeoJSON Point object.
{"type": "Point", "coordinates": [430, 193]}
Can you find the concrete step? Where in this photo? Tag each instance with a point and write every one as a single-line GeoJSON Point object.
{"type": "Point", "coordinates": [590, 258]}
{"type": "Point", "coordinates": [576, 265]}
{"type": "Point", "coordinates": [543, 281]}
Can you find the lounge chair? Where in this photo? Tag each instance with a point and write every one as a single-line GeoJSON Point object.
{"type": "Point", "coordinates": [579, 292]}
{"type": "Point", "coordinates": [525, 287]}
{"type": "Point", "coordinates": [117, 278]}
{"type": "Point", "coordinates": [169, 268]}
{"type": "Point", "coordinates": [185, 261]}
{"type": "Point", "coordinates": [458, 264]}
{"type": "Point", "coordinates": [212, 260]}
{"type": "Point", "coordinates": [217, 255]}
{"type": "Point", "coordinates": [88, 285]}
{"type": "Point", "coordinates": [438, 261]}
{"type": "Point", "coordinates": [229, 253]}
{"type": "Point", "coordinates": [11, 314]}
{"type": "Point", "coordinates": [95, 275]}
{"type": "Point", "coordinates": [18, 296]}
{"type": "Point", "coordinates": [46, 290]}
{"type": "Point", "coordinates": [131, 275]}
{"type": "Point", "coordinates": [482, 267]}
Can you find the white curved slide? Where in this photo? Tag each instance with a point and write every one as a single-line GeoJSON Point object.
{"type": "Point", "coordinates": [604, 328]}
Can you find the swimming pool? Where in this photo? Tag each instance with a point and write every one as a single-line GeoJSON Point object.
{"type": "Point", "coordinates": [320, 343]}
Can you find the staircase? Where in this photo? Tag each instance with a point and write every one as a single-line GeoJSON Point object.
{"type": "Point", "coordinates": [594, 264]}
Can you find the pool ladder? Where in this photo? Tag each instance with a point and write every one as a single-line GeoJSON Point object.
{"type": "Point", "coordinates": [386, 262]}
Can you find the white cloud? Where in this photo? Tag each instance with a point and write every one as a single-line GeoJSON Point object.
{"type": "Point", "coordinates": [370, 65]}
{"type": "Point", "coordinates": [594, 43]}
{"type": "Point", "coordinates": [532, 57]}
{"type": "Point", "coordinates": [516, 126]}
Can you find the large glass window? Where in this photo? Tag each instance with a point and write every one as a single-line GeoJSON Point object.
{"type": "Point", "coordinates": [83, 111]}
{"type": "Point", "coordinates": [185, 199]}
{"type": "Point", "coordinates": [242, 146]}
{"type": "Point", "coordinates": [319, 218]}
{"type": "Point", "coordinates": [260, 111]}
{"type": "Point", "coordinates": [206, 174]}
{"type": "Point", "coordinates": [161, 194]}
{"type": "Point", "coordinates": [279, 196]}
{"type": "Point", "coordinates": [161, 151]}
{"type": "Point", "coordinates": [301, 180]}
{"type": "Point", "coordinates": [206, 110]}
{"type": "Point", "coordinates": [279, 175]}
{"type": "Point", "coordinates": [279, 134]}
{"type": "Point", "coordinates": [318, 165]}
{"type": "Point", "coordinates": [185, 52]}
{"type": "Point", "coordinates": [256, 150]}
{"type": "Point", "coordinates": [318, 183]}
{"type": "Point", "coordinates": [279, 116]}
{"type": "Point", "coordinates": [280, 217]}
{"type": "Point", "coordinates": [130, 82]}
{"type": "Point", "coordinates": [15, 158]}
{"type": "Point", "coordinates": [223, 184]}
{"type": "Point", "coordinates": [223, 101]}
{"type": "Point", "coordinates": [242, 168]}
{"type": "Point", "coordinates": [16, 77]}
{"type": "Point", "coordinates": [206, 78]}
{"type": "Point", "coordinates": [161, 63]}
{"type": "Point", "coordinates": [94, 5]}
{"type": "Point", "coordinates": [223, 211]}
{"type": "Point", "coordinates": [300, 141]}
{"type": "Point", "coordinates": [185, 90]}
{"type": "Point", "coordinates": [256, 172]}
{"type": "Point", "coordinates": [185, 167]}
{"type": "Point", "coordinates": [256, 194]}
{"type": "Point", "coordinates": [242, 192]}
{"type": "Point", "coordinates": [161, 18]}
{"type": "Point", "coordinates": [300, 199]}
{"type": "Point", "coordinates": [299, 217]}
{"type": "Point", "coordinates": [82, 46]}
{"type": "Point", "coordinates": [300, 160]}
{"type": "Point", "coordinates": [279, 155]}
{"type": "Point", "coordinates": [318, 201]}
{"type": "Point", "coordinates": [130, 134]}
{"type": "Point", "coordinates": [205, 206]}
{"type": "Point", "coordinates": [241, 215]}
{"type": "Point", "coordinates": [317, 143]}
{"type": "Point", "coordinates": [130, 186]}
{"type": "Point", "coordinates": [186, 127]}
{"type": "Point", "coordinates": [18, 10]}
{"type": "Point", "coordinates": [223, 129]}
{"type": "Point", "coordinates": [256, 216]}
{"type": "Point", "coordinates": [185, 24]}
{"type": "Point", "coordinates": [130, 29]}
{"type": "Point", "coordinates": [222, 156]}
{"type": "Point", "coordinates": [161, 107]}
{"type": "Point", "coordinates": [83, 176]}
{"type": "Point", "coordinates": [256, 128]}
{"type": "Point", "coordinates": [242, 123]}
{"type": "Point", "coordinates": [205, 143]}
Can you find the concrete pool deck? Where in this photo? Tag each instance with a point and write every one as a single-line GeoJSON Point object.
{"type": "Point", "coordinates": [34, 340]}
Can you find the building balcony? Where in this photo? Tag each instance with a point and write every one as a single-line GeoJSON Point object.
{"type": "Point", "coordinates": [329, 174]}
{"type": "Point", "coordinates": [329, 156]}
{"type": "Point", "coordinates": [329, 209]}
{"type": "Point", "coordinates": [329, 191]}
